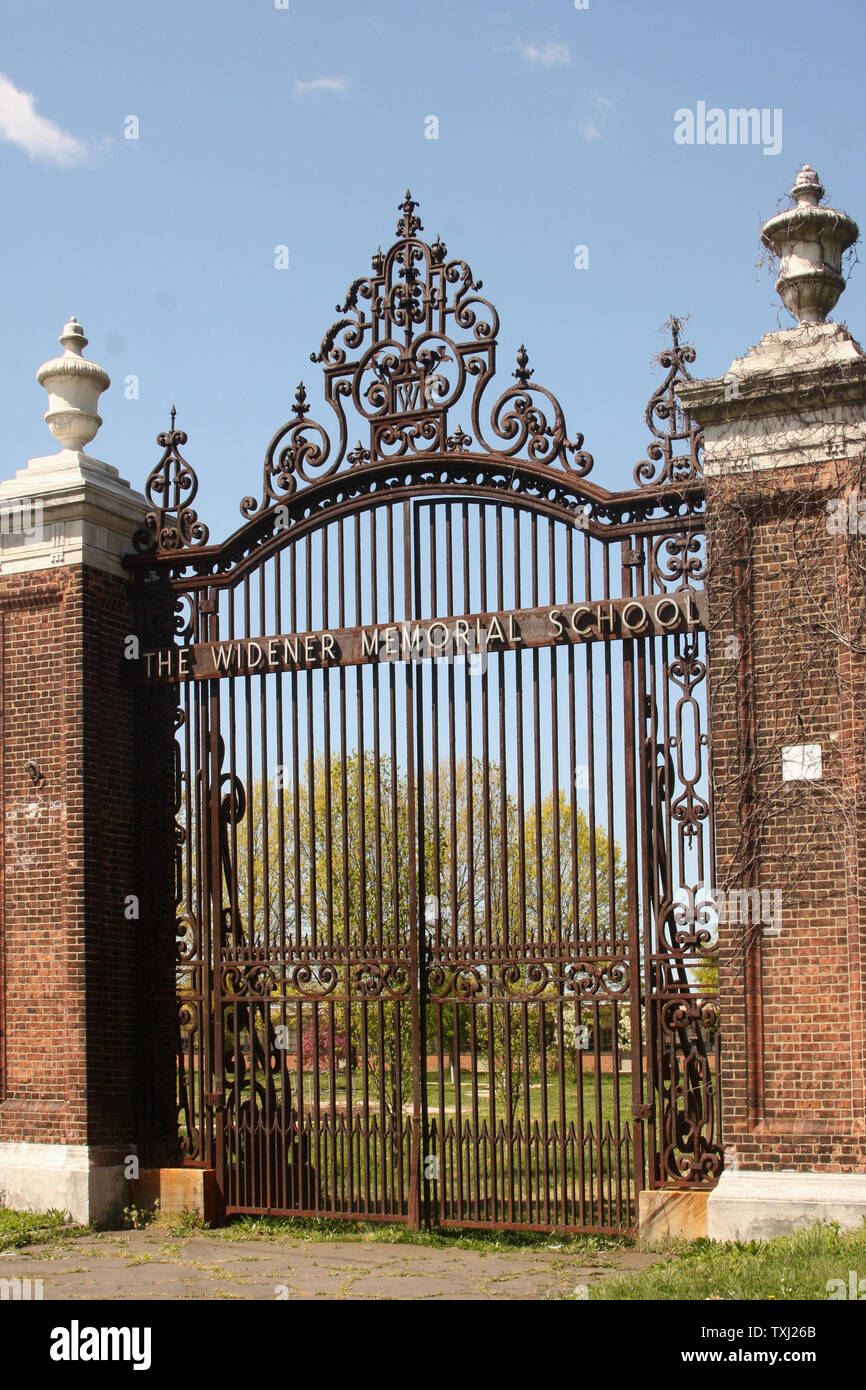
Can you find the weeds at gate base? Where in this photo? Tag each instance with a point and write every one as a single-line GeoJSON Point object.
{"type": "Point", "coordinates": [182, 1223]}
{"type": "Point", "coordinates": [176, 1223]}
{"type": "Point", "coordinates": [133, 1218]}
{"type": "Point", "coordinates": [323, 1229]}
{"type": "Point", "coordinates": [21, 1228]}
{"type": "Point", "coordinates": [798, 1266]}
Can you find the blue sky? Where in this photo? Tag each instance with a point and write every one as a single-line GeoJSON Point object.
{"type": "Point", "coordinates": [261, 126]}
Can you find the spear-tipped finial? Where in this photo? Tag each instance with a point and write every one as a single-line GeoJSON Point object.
{"type": "Point", "coordinates": [408, 224]}
{"type": "Point", "coordinates": [300, 407]}
{"type": "Point", "coordinates": [524, 371]}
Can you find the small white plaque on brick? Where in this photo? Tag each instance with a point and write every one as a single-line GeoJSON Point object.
{"type": "Point", "coordinates": [801, 762]}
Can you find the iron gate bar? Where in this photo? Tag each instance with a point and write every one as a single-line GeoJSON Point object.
{"type": "Point", "coordinates": [637, 1098]}
{"type": "Point", "coordinates": [312, 985]}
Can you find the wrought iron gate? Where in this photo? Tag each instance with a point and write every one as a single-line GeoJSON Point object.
{"type": "Point", "coordinates": [443, 821]}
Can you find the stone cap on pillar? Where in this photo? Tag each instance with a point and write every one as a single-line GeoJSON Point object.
{"type": "Point", "coordinates": [69, 508]}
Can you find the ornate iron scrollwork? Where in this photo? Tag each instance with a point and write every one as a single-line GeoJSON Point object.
{"type": "Point", "coordinates": [171, 487]}
{"type": "Point", "coordinates": [418, 331]}
{"type": "Point", "coordinates": [682, 1011]}
{"type": "Point", "coordinates": [255, 1083]}
{"type": "Point", "coordinates": [688, 810]}
{"type": "Point", "coordinates": [671, 423]}
{"type": "Point", "coordinates": [690, 1151]}
{"type": "Point", "coordinates": [414, 340]}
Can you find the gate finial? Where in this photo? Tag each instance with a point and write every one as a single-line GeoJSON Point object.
{"type": "Point", "coordinates": [408, 224]}
{"type": "Point", "coordinates": [524, 371]}
{"type": "Point", "coordinates": [170, 489]}
{"type": "Point", "coordinates": [666, 463]}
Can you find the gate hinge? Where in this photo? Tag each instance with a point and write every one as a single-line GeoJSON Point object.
{"type": "Point", "coordinates": [632, 557]}
{"type": "Point", "coordinates": [215, 1100]}
{"type": "Point", "coordinates": [642, 1112]}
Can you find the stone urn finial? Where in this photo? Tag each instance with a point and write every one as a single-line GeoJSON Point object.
{"type": "Point", "coordinates": [74, 386]}
{"type": "Point", "coordinates": [809, 241]}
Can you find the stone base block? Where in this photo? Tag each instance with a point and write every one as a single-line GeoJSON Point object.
{"type": "Point", "coordinates": [668, 1213]}
{"type": "Point", "coordinates": [87, 1184]}
{"type": "Point", "coordinates": [177, 1189]}
{"type": "Point", "coordinates": [751, 1205]}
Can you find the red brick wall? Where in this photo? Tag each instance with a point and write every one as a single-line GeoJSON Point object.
{"type": "Point", "coordinates": [792, 1005]}
{"type": "Point", "coordinates": [68, 955]}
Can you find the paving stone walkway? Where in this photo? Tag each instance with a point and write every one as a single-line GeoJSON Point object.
{"type": "Point", "coordinates": [153, 1264]}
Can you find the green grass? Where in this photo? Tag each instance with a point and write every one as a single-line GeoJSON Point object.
{"type": "Point", "coordinates": [20, 1228]}
{"type": "Point", "coordinates": [787, 1267]}
{"type": "Point", "coordinates": [447, 1099]}
{"type": "Point", "coordinates": [322, 1229]}
{"type": "Point", "coordinates": [606, 1096]}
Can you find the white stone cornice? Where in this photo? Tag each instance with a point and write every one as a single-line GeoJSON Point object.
{"type": "Point", "coordinates": [67, 509]}
{"type": "Point", "coordinates": [797, 397]}
{"type": "Point", "coordinates": [754, 444]}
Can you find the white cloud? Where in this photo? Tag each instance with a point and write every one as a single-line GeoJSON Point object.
{"type": "Point", "coordinates": [320, 84]}
{"type": "Point", "coordinates": [596, 115]}
{"type": "Point", "coordinates": [41, 138]}
{"type": "Point", "coordinates": [549, 55]}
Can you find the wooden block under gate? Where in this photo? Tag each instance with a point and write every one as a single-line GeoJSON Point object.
{"type": "Point", "coordinates": [671, 1213]}
{"type": "Point", "coordinates": [176, 1190]}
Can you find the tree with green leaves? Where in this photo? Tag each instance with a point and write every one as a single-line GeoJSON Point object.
{"type": "Point", "coordinates": [490, 866]}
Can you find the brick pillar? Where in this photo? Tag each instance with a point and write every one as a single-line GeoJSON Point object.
{"type": "Point", "coordinates": [785, 433]}
{"type": "Point", "coordinates": [67, 802]}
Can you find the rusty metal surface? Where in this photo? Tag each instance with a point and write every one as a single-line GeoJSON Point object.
{"type": "Point", "coordinates": [432, 965]}
{"type": "Point", "coordinates": [433, 639]}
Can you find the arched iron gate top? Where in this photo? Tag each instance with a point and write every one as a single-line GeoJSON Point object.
{"type": "Point", "coordinates": [411, 357]}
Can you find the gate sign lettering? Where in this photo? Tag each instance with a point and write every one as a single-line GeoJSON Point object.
{"type": "Point", "coordinates": [435, 638]}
